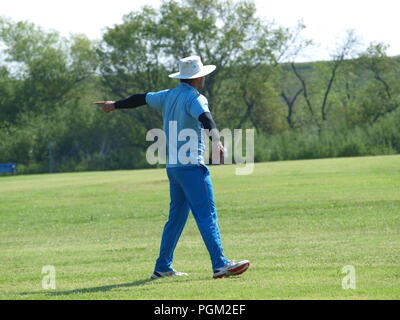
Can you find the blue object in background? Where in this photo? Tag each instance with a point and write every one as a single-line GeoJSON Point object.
{"type": "Point", "coordinates": [8, 167]}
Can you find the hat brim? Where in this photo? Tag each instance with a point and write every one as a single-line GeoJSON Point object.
{"type": "Point", "coordinates": [202, 73]}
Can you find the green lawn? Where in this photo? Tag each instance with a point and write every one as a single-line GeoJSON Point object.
{"type": "Point", "coordinates": [299, 222]}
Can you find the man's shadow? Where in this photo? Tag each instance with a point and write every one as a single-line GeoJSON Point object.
{"type": "Point", "coordinates": [95, 289]}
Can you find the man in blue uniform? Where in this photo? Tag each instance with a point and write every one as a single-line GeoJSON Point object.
{"type": "Point", "coordinates": [190, 182]}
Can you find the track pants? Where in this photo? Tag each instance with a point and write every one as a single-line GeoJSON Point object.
{"type": "Point", "coordinates": [191, 189]}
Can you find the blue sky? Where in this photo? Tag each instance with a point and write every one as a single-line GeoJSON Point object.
{"type": "Point", "coordinates": [326, 21]}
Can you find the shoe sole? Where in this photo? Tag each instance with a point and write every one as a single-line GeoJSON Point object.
{"type": "Point", "coordinates": [234, 272]}
{"type": "Point", "coordinates": [155, 277]}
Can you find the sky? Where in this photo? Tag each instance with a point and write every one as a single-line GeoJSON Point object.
{"type": "Point", "coordinates": [326, 21]}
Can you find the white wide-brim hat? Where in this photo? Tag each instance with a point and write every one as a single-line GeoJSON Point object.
{"type": "Point", "coordinates": [192, 68]}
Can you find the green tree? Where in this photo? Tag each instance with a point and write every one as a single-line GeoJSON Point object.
{"type": "Point", "coordinates": [318, 88]}
{"type": "Point", "coordinates": [381, 96]}
{"type": "Point", "coordinates": [42, 77]}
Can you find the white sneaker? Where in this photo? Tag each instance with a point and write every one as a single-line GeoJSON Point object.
{"type": "Point", "coordinates": [232, 269]}
{"type": "Point", "coordinates": [173, 273]}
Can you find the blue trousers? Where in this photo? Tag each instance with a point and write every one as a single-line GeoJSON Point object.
{"type": "Point", "coordinates": [191, 189]}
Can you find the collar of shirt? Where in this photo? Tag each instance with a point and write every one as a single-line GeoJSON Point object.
{"type": "Point", "coordinates": [188, 86]}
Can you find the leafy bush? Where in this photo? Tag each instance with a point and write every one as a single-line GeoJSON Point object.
{"type": "Point", "coordinates": [381, 138]}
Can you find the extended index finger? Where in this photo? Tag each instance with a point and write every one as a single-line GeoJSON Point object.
{"type": "Point", "coordinates": [99, 102]}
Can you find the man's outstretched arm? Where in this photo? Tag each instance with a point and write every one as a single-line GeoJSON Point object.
{"type": "Point", "coordinates": [134, 101]}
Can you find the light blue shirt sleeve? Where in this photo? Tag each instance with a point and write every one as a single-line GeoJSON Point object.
{"type": "Point", "coordinates": [198, 106]}
{"type": "Point", "coordinates": [156, 99]}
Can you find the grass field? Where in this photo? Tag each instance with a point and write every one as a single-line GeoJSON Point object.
{"type": "Point", "coordinates": [299, 222]}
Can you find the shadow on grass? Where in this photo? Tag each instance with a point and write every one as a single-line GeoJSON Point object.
{"type": "Point", "coordinates": [111, 287]}
{"type": "Point", "coordinates": [94, 289]}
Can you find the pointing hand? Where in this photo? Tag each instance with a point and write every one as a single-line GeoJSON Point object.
{"type": "Point", "coordinates": [108, 106]}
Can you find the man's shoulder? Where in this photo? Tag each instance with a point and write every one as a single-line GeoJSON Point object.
{"type": "Point", "coordinates": [165, 91]}
{"type": "Point", "coordinates": [200, 98]}
{"type": "Point", "coordinates": [159, 93]}
{"type": "Point", "coordinates": [157, 99]}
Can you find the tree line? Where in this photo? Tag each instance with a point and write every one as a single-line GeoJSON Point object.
{"type": "Point", "coordinates": [347, 106]}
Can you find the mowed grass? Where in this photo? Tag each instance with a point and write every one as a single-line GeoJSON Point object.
{"type": "Point", "coordinates": [299, 222]}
